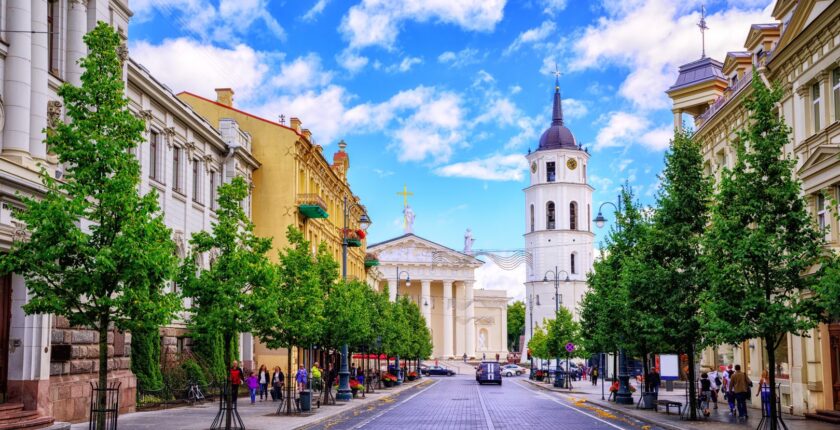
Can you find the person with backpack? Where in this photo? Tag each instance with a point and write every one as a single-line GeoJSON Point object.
{"type": "Point", "coordinates": [237, 377]}
{"type": "Point", "coordinates": [727, 389]}
{"type": "Point", "coordinates": [714, 378]}
{"type": "Point", "coordinates": [705, 393]}
{"type": "Point", "coordinates": [741, 385]}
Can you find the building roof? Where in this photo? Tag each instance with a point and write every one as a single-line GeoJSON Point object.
{"type": "Point", "coordinates": [410, 235]}
{"type": "Point", "coordinates": [557, 136]}
{"type": "Point", "coordinates": [702, 70]}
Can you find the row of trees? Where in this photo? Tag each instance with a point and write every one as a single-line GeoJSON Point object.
{"type": "Point", "coordinates": [100, 254]}
{"type": "Point", "coordinates": [711, 265]}
{"type": "Point", "coordinates": [549, 340]}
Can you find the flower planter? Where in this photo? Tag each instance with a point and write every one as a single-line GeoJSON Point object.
{"type": "Point", "coordinates": [355, 393]}
{"type": "Point", "coordinates": [388, 383]}
{"type": "Point", "coordinates": [411, 378]}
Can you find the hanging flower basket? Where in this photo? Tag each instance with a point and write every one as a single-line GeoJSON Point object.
{"type": "Point", "coordinates": [371, 260]}
{"type": "Point", "coordinates": [352, 238]}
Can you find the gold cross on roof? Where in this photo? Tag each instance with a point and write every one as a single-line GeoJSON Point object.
{"type": "Point", "coordinates": [405, 193]}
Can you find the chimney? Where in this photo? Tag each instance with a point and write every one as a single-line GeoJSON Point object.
{"type": "Point", "coordinates": [307, 134]}
{"type": "Point", "coordinates": [295, 123]}
{"type": "Point", "coordinates": [224, 96]}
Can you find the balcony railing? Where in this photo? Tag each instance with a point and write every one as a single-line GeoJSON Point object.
{"type": "Point", "coordinates": [722, 100]}
{"type": "Point", "coordinates": [312, 206]}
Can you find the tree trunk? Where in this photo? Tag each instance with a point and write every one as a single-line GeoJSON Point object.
{"type": "Point", "coordinates": [102, 394]}
{"type": "Point", "coordinates": [291, 381]}
{"type": "Point", "coordinates": [227, 338]}
{"type": "Point", "coordinates": [646, 367]}
{"type": "Point", "coordinates": [692, 384]}
{"type": "Point", "coordinates": [615, 367]}
{"type": "Point", "coordinates": [770, 345]}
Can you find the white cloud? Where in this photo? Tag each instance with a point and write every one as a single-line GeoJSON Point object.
{"type": "Point", "coordinates": [622, 129]}
{"type": "Point", "coordinates": [516, 89]}
{"type": "Point", "coordinates": [500, 111]}
{"type": "Point", "coordinates": [378, 22]}
{"type": "Point", "coordinates": [659, 138]}
{"type": "Point", "coordinates": [312, 14]}
{"type": "Point", "coordinates": [302, 73]}
{"type": "Point", "coordinates": [464, 57]}
{"type": "Point", "coordinates": [493, 168]}
{"type": "Point", "coordinates": [383, 173]}
{"type": "Point", "coordinates": [551, 7]}
{"type": "Point", "coordinates": [600, 183]}
{"type": "Point", "coordinates": [405, 65]}
{"type": "Point", "coordinates": [226, 23]}
{"type": "Point", "coordinates": [652, 38]}
{"type": "Point", "coordinates": [187, 65]}
{"type": "Point", "coordinates": [319, 110]}
{"type": "Point", "coordinates": [351, 61]}
{"type": "Point", "coordinates": [574, 108]}
{"type": "Point", "coordinates": [532, 36]}
{"type": "Point", "coordinates": [492, 277]}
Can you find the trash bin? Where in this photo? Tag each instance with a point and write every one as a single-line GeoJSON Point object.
{"type": "Point", "coordinates": [649, 400]}
{"type": "Point", "coordinates": [305, 401]}
{"type": "Point", "coordinates": [560, 380]}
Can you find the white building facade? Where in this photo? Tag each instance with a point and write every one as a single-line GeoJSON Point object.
{"type": "Point", "coordinates": [558, 224]}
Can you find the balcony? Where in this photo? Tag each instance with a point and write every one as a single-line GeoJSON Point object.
{"type": "Point", "coordinates": [312, 206]}
{"type": "Point", "coordinates": [730, 93]}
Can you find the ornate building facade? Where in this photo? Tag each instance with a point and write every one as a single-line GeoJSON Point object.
{"type": "Point", "coordinates": [558, 224]}
{"type": "Point", "coordinates": [801, 51]}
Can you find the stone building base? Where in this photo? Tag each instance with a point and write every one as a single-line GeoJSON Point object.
{"type": "Point", "coordinates": [69, 395]}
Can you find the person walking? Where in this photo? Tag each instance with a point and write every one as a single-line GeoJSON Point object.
{"type": "Point", "coordinates": [465, 357]}
{"type": "Point", "coordinates": [727, 389]}
{"type": "Point", "coordinates": [655, 381]}
{"type": "Point", "coordinates": [237, 377]}
{"type": "Point", "coordinates": [594, 375]}
{"type": "Point", "coordinates": [253, 384]}
{"type": "Point", "coordinates": [277, 382]}
{"type": "Point", "coordinates": [264, 378]}
{"type": "Point", "coordinates": [705, 393]}
{"type": "Point", "coordinates": [315, 372]}
{"type": "Point", "coordinates": [764, 392]}
{"type": "Point", "coordinates": [301, 378]}
{"type": "Point", "coordinates": [741, 387]}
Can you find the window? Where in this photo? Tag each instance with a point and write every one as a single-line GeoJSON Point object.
{"type": "Point", "coordinates": [549, 168]}
{"type": "Point", "coordinates": [572, 216]}
{"type": "Point", "coordinates": [214, 182]}
{"type": "Point", "coordinates": [835, 85]}
{"type": "Point", "coordinates": [572, 263]}
{"type": "Point", "coordinates": [815, 97]}
{"type": "Point", "coordinates": [549, 216]}
{"type": "Point", "coordinates": [588, 218]}
{"type": "Point", "coordinates": [538, 299]}
{"type": "Point", "coordinates": [52, 36]}
{"type": "Point", "coordinates": [176, 169]}
{"type": "Point", "coordinates": [196, 188]}
{"type": "Point", "coordinates": [154, 149]}
{"type": "Point", "coordinates": [532, 218]}
{"type": "Point", "coordinates": [822, 215]}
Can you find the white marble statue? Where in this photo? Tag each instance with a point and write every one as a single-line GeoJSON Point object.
{"type": "Point", "coordinates": [468, 242]}
{"type": "Point", "coordinates": [408, 213]}
{"type": "Point", "coordinates": [482, 341]}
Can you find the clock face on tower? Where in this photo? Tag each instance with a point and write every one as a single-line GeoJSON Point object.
{"type": "Point", "coordinates": [534, 167]}
{"type": "Point", "coordinates": [571, 164]}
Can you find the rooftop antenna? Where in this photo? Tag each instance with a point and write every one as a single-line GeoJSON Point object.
{"type": "Point", "coordinates": [703, 28]}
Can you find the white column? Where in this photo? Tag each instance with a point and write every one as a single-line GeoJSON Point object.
{"type": "Point", "coordinates": [17, 85]}
{"type": "Point", "coordinates": [40, 60]}
{"type": "Point", "coordinates": [470, 318]}
{"type": "Point", "coordinates": [677, 118]}
{"type": "Point", "coordinates": [76, 29]}
{"type": "Point", "coordinates": [246, 350]}
{"type": "Point", "coordinates": [426, 302]}
{"type": "Point", "coordinates": [447, 319]}
{"type": "Point", "coordinates": [503, 330]}
{"type": "Point", "coordinates": [392, 289]}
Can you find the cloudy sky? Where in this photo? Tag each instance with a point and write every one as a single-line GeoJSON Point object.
{"type": "Point", "coordinates": [446, 96]}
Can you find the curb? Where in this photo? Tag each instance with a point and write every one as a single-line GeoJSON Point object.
{"type": "Point", "coordinates": [320, 420]}
{"type": "Point", "coordinates": [622, 411]}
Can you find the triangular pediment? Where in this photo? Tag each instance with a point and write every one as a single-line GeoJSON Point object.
{"type": "Point", "coordinates": [806, 12]}
{"type": "Point", "coordinates": [825, 154]}
{"type": "Point", "coordinates": [413, 249]}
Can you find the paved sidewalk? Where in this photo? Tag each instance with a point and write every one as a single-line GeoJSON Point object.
{"type": "Point", "coordinates": [584, 392]}
{"type": "Point", "coordinates": [259, 416]}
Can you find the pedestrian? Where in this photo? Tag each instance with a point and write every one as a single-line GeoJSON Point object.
{"type": "Point", "coordinates": [316, 376]}
{"type": "Point", "coordinates": [594, 375]}
{"type": "Point", "coordinates": [465, 357]}
{"type": "Point", "coordinates": [264, 378]}
{"type": "Point", "coordinates": [727, 384]}
{"type": "Point", "coordinates": [741, 388]}
{"type": "Point", "coordinates": [705, 393]}
{"type": "Point", "coordinates": [301, 378]}
{"type": "Point", "coordinates": [764, 392]}
{"type": "Point", "coordinates": [277, 382]}
{"type": "Point", "coordinates": [237, 377]}
{"type": "Point", "coordinates": [655, 380]}
{"type": "Point", "coordinates": [253, 384]}
{"type": "Point", "coordinates": [714, 379]}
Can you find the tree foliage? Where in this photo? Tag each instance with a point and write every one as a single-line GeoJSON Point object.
{"type": "Point", "coordinates": [349, 316]}
{"type": "Point", "coordinates": [515, 324]}
{"type": "Point", "coordinates": [538, 343]}
{"type": "Point", "coordinates": [562, 330]}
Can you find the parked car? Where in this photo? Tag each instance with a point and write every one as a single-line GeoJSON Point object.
{"type": "Point", "coordinates": [490, 372]}
{"type": "Point", "coordinates": [438, 370]}
{"type": "Point", "coordinates": [513, 369]}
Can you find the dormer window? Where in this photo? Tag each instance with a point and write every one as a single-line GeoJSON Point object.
{"type": "Point", "coordinates": [550, 174]}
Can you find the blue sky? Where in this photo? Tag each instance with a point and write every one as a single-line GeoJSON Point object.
{"type": "Point", "coordinates": [447, 96]}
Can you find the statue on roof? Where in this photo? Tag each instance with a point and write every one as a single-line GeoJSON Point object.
{"type": "Point", "coordinates": [408, 215]}
{"type": "Point", "coordinates": [468, 242]}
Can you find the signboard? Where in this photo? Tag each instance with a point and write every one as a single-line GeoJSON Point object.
{"type": "Point", "coordinates": [670, 365]}
{"type": "Point", "coordinates": [570, 347]}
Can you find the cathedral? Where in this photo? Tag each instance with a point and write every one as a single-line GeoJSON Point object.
{"type": "Point", "coordinates": [558, 227]}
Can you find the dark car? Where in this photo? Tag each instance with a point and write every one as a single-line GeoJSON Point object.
{"type": "Point", "coordinates": [438, 370]}
{"type": "Point", "coordinates": [490, 372]}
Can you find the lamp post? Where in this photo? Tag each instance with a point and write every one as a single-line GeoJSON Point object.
{"type": "Point", "coordinates": [344, 393]}
{"type": "Point", "coordinates": [531, 313]}
{"type": "Point", "coordinates": [555, 275]}
{"type": "Point", "coordinates": [623, 396]}
{"type": "Point", "coordinates": [397, 289]}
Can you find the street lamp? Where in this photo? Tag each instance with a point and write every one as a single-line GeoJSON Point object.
{"type": "Point", "coordinates": [344, 393]}
{"type": "Point", "coordinates": [531, 313]}
{"type": "Point", "coordinates": [623, 396]}
{"type": "Point", "coordinates": [555, 274]}
{"type": "Point", "coordinates": [396, 290]}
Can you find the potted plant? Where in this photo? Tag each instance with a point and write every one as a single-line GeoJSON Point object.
{"type": "Point", "coordinates": [412, 375]}
{"type": "Point", "coordinates": [355, 386]}
{"type": "Point", "coordinates": [540, 375]}
{"type": "Point", "coordinates": [389, 380]}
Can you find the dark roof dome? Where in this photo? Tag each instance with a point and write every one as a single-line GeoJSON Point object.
{"type": "Point", "coordinates": [557, 136]}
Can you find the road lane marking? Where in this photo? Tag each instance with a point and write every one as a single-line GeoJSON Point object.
{"type": "Point", "coordinates": [564, 404]}
{"type": "Point", "coordinates": [371, 419]}
{"type": "Point", "coordinates": [484, 409]}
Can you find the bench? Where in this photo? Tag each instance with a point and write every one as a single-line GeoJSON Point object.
{"type": "Point", "coordinates": [668, 404]}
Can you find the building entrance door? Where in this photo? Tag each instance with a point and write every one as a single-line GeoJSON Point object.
{"type": "Point", "coordinates": [834, 344]}
{"type": "Point", "coordinates": [5, 321]}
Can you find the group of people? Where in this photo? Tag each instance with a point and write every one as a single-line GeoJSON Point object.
{"type": "Point", "coordinates": [264, 383]}
{"type": "Point", "coordinates": [735, 386]}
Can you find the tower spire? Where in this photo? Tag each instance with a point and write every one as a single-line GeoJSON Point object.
{"type": "Point", "coordinates": [557, 117]}
{"type": "Point", "coordinates": [703, 28]}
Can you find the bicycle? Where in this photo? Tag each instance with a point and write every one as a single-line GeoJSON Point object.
{"type": "Point", "coordinates": [194, 394]}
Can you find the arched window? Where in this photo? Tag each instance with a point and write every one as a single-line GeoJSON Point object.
{"type": "Point", "coordinates": [538, 299]}
{"type": "Point", "coordinates": [573, 216]}
{"type": "Point", "coordinates": [572, 263]}
{"type": "Point", "coordinates": [549, 216]}
{"type": "Point", "coordinates": [532, 218]}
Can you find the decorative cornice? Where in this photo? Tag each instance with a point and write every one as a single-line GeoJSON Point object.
{"type": "Point", "coordinates": [802, 91]}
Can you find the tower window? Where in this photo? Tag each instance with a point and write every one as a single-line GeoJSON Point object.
{"type": "Point", "coordinates": [549, 216]}
{"type": "Point", "coordinates": [549, 169]}
{"type": "Point", "coordinates": [532, 218]}
{"type": "Point", "coordinates": [573, 216]}
{"type": "Point", "coordinates": [572, 263]}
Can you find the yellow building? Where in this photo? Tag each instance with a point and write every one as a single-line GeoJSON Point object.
{"type": "Point", "coordinates": [801, 51]}
{"type": "Point", "coordinates": [295, 185]}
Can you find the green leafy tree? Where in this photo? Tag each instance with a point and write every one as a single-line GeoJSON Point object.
{"type": "Point", "coordinates": [515, 324]}
{"type": "Point", "coordinates": [761, 241]}
{"type": "Point", "coordinates": [562, 330]}
{"type": "Point", "coordinates": [114, 271]}
{"type": "Point", "coordinates": [145, 358]}
{"type": "Point", "coordinates": [348, 315]}
{"type": "Point", "coordinates": [538, 343]}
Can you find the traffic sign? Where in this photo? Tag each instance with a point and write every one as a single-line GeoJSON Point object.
{"type": "Point", "coordinates": [570, 347]}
